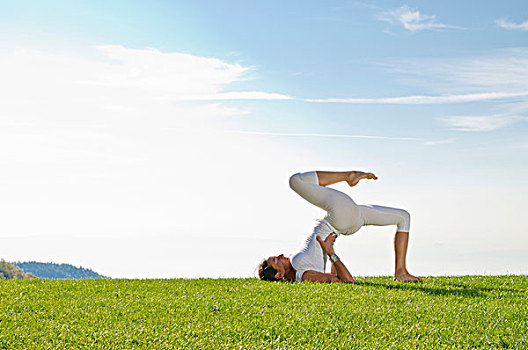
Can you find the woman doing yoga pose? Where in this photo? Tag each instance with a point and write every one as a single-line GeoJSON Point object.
{"type": "Point", "coordinates": [344, 217]}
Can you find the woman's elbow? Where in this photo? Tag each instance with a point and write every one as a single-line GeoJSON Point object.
{"type": "Point", "coordinates": [347, 280]}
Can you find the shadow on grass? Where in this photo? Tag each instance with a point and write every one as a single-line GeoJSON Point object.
{"type": "Point", "coordinates": [454, 289]}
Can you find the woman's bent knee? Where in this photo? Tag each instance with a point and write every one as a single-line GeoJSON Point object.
{"type": "Point", "coordinates": [298, 179]}
{"type": "Point", "coordinates": [405, 223]}
{"type": "Point", "coordinates": [294, 179]}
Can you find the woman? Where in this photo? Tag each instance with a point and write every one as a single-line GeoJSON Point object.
{"type": "Point", "coordinates": [345, 217]}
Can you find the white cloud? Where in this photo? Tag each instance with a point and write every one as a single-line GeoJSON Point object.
{"type": "Point", "coordinates": [500, 76]}
{"type": "Point", "coordinates": [480, 123]}
{"type": "Point", "coordinates": [501, 71]}
{"type": "Point", "coordinates": [147, 73]}
{"type": "Point", "coordinates": [174, 72]}
{"type": "Point", "coordinates": [493, 76]}
{"type": "Point", "coordinates": [292, 134]}
{"type": "Point", "coordinates": [151, 74]}
{"type": "Point", "coordinates": [420, 99]}
{"type": "Point", "coordinates": [343, 136]}
{"type": "Point", "coordinates": [506, 24]}
{"type": "Point", "coordinates": [413, 20]}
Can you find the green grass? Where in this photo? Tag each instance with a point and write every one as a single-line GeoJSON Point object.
{"type": "Point", "coordinates": [443, 312]}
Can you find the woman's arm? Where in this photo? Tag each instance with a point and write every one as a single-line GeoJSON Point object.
{"type": "Point", "coordinates": [315, 276]}
{"type": "Point", "coordinates": [343, 275]}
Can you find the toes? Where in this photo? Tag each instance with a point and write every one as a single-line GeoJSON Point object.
{"type": "Point", "coordinates": [356, 176]}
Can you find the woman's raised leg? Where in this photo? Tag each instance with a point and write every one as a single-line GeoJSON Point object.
{"type": "Point", "coordinates": [342, 210]}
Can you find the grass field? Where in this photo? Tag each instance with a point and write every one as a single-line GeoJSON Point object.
{"type": "Point", "coordinates": [443, 312]}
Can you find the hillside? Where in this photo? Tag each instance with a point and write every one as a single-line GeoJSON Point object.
{"type": "Point", "coordinates": [56, 271]}
{"type": "Point", "coordinates": [466, 312]}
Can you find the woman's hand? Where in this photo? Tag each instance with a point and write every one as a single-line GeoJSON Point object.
{"type": "Point", "coordinates": [343, 275]}
{"type": "Point", "coordinates": [328, 244]}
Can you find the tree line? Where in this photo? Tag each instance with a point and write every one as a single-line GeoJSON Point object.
{"type": "Point", "coordinates": [56, 271]}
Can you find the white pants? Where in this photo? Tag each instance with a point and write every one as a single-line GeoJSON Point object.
{"type": "Point", "coordinates": [342, 212]}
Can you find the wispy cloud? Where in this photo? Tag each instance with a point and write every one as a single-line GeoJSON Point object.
{"type": "Point", "coordinates": [499, 75]}
{"type": "Point", "coordinates": [133, 77]}
{"type": "Point", "coordinates": [293, 134]}
{"type": "Point", "coordinates": [148, 73]}
{"type": "Point", "coordinates": [504, 70]}
{"type": "Point", "coordinates": [413, 20]}
{"type": "Point", "coordinates": [179, 76]}
{"type": "Point", "coordinates": [408, 100]}
{"type": "Point", "coordinates": [480, 123]}
{"type": "Point", "coordinates": [341, 136]}
{"type": "Point", "coordinates": [413, 99]}
{"type": "Point", "coordinates": [506, 24]}
{"type": "Point", "coordinates": [420, 99]}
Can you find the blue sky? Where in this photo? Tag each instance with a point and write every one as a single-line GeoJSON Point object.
{"type": "Point", "coordinates": [168, 127]}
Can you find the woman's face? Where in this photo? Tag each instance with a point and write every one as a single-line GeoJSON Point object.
{"type": "Point", "coordinates": [279, 263]}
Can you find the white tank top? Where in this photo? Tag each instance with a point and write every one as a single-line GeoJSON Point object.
{"type": "Point", "coordinates": [310, 255]}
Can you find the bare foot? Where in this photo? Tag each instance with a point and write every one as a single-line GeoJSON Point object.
{"type": "Point", "coordinates": [407, 277]}
{"type": "Point", "coordinates": [354, 177]}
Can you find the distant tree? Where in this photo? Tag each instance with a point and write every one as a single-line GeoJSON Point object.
{"type": "Point", "coordinates": [10, 272]}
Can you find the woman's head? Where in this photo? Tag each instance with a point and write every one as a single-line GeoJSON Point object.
{"type": "Point", "coordinates": [266, 272]}
{"type": "Point", "coordinates": [273, 268]}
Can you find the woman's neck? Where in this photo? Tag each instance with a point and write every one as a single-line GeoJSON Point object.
{"type": "Point", "coordinates": [290, 274]}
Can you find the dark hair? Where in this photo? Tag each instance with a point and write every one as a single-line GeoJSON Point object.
{"type": "Point", "coordinates": [266, 272]}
